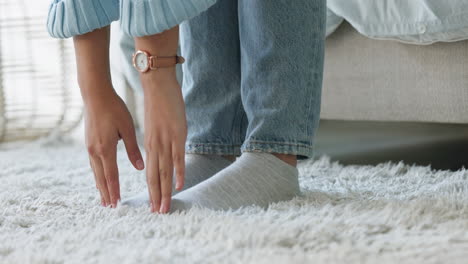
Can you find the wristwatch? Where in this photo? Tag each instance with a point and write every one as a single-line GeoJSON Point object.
{"type": "Point", "coordinates": [143, 61]}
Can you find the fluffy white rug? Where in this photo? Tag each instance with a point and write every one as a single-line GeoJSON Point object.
{"type": "Point", "coordinates": [389, 213]}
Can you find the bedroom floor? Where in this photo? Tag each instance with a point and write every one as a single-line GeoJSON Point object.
{"type": "Point", "coordinates": [443, 146]}
{"type": "Point", "coordinates": [386, 213]}
{"type": "Point", "coordinates": [389, 213]}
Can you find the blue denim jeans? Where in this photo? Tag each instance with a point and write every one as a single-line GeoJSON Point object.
{"type": "Point", "coordinates": [253, 76]}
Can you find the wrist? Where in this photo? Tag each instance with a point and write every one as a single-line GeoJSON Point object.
{"type": "Point", "coordinates": [158, 78]}
{"type": "Point", "coordinates": [96, 94]}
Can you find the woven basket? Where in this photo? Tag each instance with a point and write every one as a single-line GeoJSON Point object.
{"type": "Point", "coordinates": [38, 88]}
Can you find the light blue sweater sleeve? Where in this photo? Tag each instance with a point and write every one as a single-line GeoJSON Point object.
{"type": "Point", "coordinates": [68, 18]}
{"type": "Point", "coordinates": [148, 17]}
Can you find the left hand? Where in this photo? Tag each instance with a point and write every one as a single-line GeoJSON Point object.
{"type": "Point", "coordinates": [165, 135]}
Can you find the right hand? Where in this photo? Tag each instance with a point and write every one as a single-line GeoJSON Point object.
{"type": "Point", "coordinates": [107, 120]}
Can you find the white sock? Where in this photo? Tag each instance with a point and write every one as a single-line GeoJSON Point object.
{"type": "Point", "coordinates": [198, 167]}
{"type": "Point", "coordinates": [253, 179]}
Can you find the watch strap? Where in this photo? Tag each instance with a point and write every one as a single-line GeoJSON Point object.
{"type": "Point", "coordinates": [164, 61]}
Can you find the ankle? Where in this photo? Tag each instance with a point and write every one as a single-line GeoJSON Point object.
{"type": "Point", "coordinates": [288, 158]}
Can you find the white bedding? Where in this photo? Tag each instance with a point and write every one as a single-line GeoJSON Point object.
{"type": "Point", "coordinates": [415, 21]}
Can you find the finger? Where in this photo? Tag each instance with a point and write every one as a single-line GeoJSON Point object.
{"type": "Point", "coordinates": [96, 181]}
{"type": "Point", "coordinates": [152, 179]}
{"type": "Point", "coordinates": [94, 172]}
{"type": "Point", "coordinates": [131, 145]}
{"type": "Point", "coordinates": [111, 172]}
{"type": "Point", "coordinates": [101, 180]}
{"type": "Point", "coordinates": [166, 170]}
{"type": "Point", "coordinates": [178, 158]}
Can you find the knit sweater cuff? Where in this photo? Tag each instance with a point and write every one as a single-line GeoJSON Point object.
{"type": "Point", "coordinates": [68, 18]}
{"type": "Point", "coordinates": [148, 17]}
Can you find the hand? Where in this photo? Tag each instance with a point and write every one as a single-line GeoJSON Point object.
{"type": "Point", "coordinates": [165, 135]}
{"type": "Point", "coordinates": [107, 120]}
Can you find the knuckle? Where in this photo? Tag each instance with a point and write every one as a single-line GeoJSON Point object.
{"type": "Point", "coordinates": [111, 181]}
{"type": "Point", "coordinates": [149, 148]}
{"type": "Point", "coordinates": [98, 149]}
{"type": "Point", "coordinates": [149, 145]}
{"type": "Point", "coordinates": [164, 174]}
{"type": "Point", "coordinates": [91, 150]}
{"type": "Point", "coordinates": [177, 158]}
{"type": "Point", "coordinates": [104, 150]}
{"type": "Point", "coordinates": [152, 181]}
{"type": "Point", "coordinates": [180, 176]}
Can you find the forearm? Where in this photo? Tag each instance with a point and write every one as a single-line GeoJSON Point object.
{"type": "Point", "coordinates": [162, 44]}
{"type": "Point", "coordinates": [165, 122]}
{"type": "Point", "coordinates": [92, 59]}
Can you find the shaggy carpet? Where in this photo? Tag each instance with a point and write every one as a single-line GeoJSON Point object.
{"type": "Point", "coordinates": [389, 213]}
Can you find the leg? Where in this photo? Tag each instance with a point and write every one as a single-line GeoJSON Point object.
{"type": "Point", "coordinates": [282, 49]}
{"type": "Point", "coordinates": [211, 89]}
{"type": "Point", "coordinates": [215, 115]}
{"type": "Point", "coordinates": [281, 65]}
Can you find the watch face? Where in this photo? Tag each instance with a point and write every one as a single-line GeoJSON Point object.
{"type": "Point", "coordinates": [141, 61]}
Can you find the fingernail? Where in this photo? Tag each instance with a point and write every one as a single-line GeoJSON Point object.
{"type": "Point", "coordinates": [178, 186]}
{"type": "Point", "coordinates": [140, 164]}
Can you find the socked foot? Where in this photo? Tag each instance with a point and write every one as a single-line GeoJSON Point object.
{"type": "Point", "coordinates": [198, 168]}
{"type": "Point", "coordinates": [253, 179]}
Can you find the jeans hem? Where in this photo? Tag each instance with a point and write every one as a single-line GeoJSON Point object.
{"type": "Point", "coordinates": [212, 149]}
{"type": "Point", "coordinates": [303, 151]}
